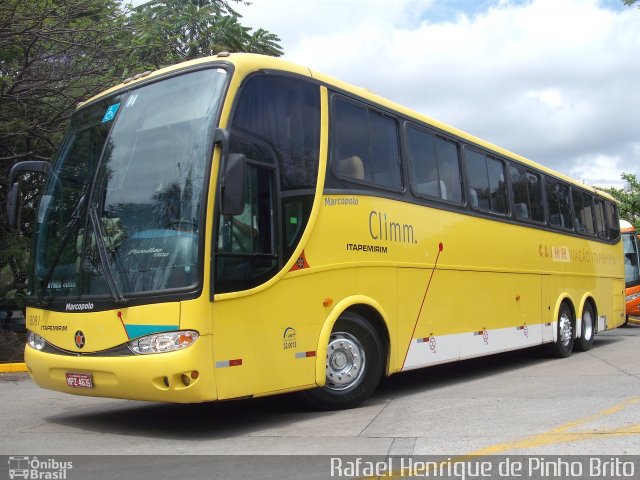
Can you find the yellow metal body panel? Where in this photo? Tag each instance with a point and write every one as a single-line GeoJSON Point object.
{"type": "Point", "coordinates": [140, 377]}
{"type": "Point", "coordinates": [499, 277]}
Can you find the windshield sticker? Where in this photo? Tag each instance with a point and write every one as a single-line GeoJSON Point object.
{"type": "Point", "coordinates": [132, 100]}
{"type": "Point", "coordinates": [110, 113]}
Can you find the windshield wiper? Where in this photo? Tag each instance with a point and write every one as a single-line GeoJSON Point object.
{"type": "Point", "coordinates": [113, 286]}
{"type": "Point", "coordinates": [70, 228]}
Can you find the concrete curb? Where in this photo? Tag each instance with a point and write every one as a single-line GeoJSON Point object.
{"type": "Point", "coordinates": [12, 367]}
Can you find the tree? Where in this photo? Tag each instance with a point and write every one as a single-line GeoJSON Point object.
{"type": "Point", "coordinates": [53, 54]}
{"type": "Point", "coordinates": [628, 3]}
{"type": "Point", "coordinates": [169, 31]}
{"type": "Point", "coordinates": [57, 53]}
{"type": "Point", "coordinates": [628, 198]}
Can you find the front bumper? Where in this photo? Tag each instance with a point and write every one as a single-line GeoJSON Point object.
{"type": "Point", "coordinates": [156, 377]}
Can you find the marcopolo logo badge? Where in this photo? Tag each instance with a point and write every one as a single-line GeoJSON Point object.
{"type": "Point", "coordinates": [78, 307]}
{"type": "Point", "coordinates": [79, 339]}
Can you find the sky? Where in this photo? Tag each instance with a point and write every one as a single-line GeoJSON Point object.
{"type": "Point", "coordinates": [556, 81]}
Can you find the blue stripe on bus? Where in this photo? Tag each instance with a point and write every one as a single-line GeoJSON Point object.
{"type": "Point", "coordinates": [135, 331]}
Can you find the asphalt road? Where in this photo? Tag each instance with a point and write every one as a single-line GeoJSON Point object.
{"type": "Point", "coordinates": [519, 403]}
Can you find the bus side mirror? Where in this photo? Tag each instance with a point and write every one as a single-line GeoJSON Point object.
{"type": "Point", "coordinates": [233, 182]}
{"type": "Point", "coordinates": [13, 199]}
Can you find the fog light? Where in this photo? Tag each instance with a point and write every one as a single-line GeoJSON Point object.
{"type": "Point", "coordinates": [36, 341]}
{"type": "Point", "coordinates": [186, 380]}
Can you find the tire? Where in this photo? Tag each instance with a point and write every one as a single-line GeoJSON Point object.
{"type": "Point", "coordinates": [585, 342]}
{"type": "Point", "coordinates": [354, 365]}
{"type": "Point", "coordinates": [563, 346]}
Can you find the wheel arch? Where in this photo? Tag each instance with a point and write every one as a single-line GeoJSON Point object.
{"type": "Point", "coordinates": [371, 311]}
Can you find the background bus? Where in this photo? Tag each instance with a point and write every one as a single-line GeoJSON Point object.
{"type": "Point", "coordinates": [241, 226]}
{"type": "Point", "coordinates": [631, 268]}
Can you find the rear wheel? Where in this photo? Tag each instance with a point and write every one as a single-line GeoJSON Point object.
{"type": "Point", "coordinates": [354, 364]}
{"type": "Point", "coordinates": [564, 344]}
{"type": "Point", "coordinates": [585, 342]}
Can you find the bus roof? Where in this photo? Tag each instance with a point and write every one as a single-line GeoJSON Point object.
{"type": "Point", "coordinates": [249, 62]}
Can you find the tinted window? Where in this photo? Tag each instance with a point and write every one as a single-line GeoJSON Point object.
{"type": "Point", "coordinates": [247, 244]}
{"type": "Point", "coordinates": [422, 154]}
{"type": "Point", "coordinates": [276, 125]}
{"type": "Point", "coordinates": [534, 186]}
{"type": "Point", "coordinates": [631, 264]}
{"type": "Point", "coordinates": [487, 189]}
{"type": "Point", "coordinates": [435, 165]}
{"type": "Point", "coordinates": [613, 222]}
{"type": "Point", "coordinates": [601, 223]}
{"type": "Point", "coordinates": [583, 212]}
{"type": "Point", "coordinates": [365, 145]}
{"type": "Point", "coordinates": [281, 116]}
{"type": "Point", "coordinates": [559, 205]}
{"type": "Point", "coordinates": [385, 152]}
{"type": "Point", "coordinates": [527, 197]}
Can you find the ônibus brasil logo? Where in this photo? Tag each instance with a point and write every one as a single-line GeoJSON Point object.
{"type": "Point", "coordinates": [26, 467]}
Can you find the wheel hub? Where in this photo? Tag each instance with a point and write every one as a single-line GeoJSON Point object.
{"type": "Point", "coordinates": [587, 319]}
{"type": "Point", "coordinates": [565, 329]}
{"type": "Point", "coordinates": [345, 361]}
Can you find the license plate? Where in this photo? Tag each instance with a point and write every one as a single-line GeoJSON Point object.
{"type": "Point", "coordinates": [79, 380]}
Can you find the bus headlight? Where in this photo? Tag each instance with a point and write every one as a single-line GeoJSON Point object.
{"type": "Point", "coordinates": [36, 341]}
{"type": "Point", "coordinates": [163, 342]}
{"type": "Point", "coordinates": [633, 296]}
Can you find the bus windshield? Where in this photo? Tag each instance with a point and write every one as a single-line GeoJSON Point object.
{"type": "Point", "coordinates": [120, 214]}
{"type": "Point", "coordinates": [631, 259]}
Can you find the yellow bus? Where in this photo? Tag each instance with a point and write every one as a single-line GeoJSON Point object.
{"type": "Point", "coordinates": [240, 226]}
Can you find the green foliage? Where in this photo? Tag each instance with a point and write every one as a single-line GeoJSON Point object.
{"type": "Point", "coordinates": [169, 31]}
{"type": "Point", "coordinates": [57, 53]}
{"type": "Point", "coordinates": [53, 55]}
{"type": "Point", "coordinates": [11, 346]}
{"type": "Point", "coordinates": [629, 198]}
{"type": "Point", "coordinates": [628, 3]}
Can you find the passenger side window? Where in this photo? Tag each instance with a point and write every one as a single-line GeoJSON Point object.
{"type": "Point", "coordinates": [280, 115]}
{"type": "Point", "coordinates": [365, 145]}
{"type": "Point", "coordinates": [247, 243]}
{"type": "Point", "coordinates": [435, 165]}
{"type": "Point", "coordinates": [601, 223]}
{"type": "Point", "coordinates": [583, 212]}
{"type": "Point", "coordinates": [527, 195]}
{"type": "Point", "coordinates": [487, 189]}
{"type": "Point", "coordinates": [612, 220]}
{"type": "Point", "coordinates": [558, 203]}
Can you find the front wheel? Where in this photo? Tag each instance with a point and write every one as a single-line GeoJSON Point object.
{"type": "Point", "coordinates": [563, 346]}
{"type": "Point", "coordinates": [354, 364]}
{"type": "Point", "coordinates": [585, 342]}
